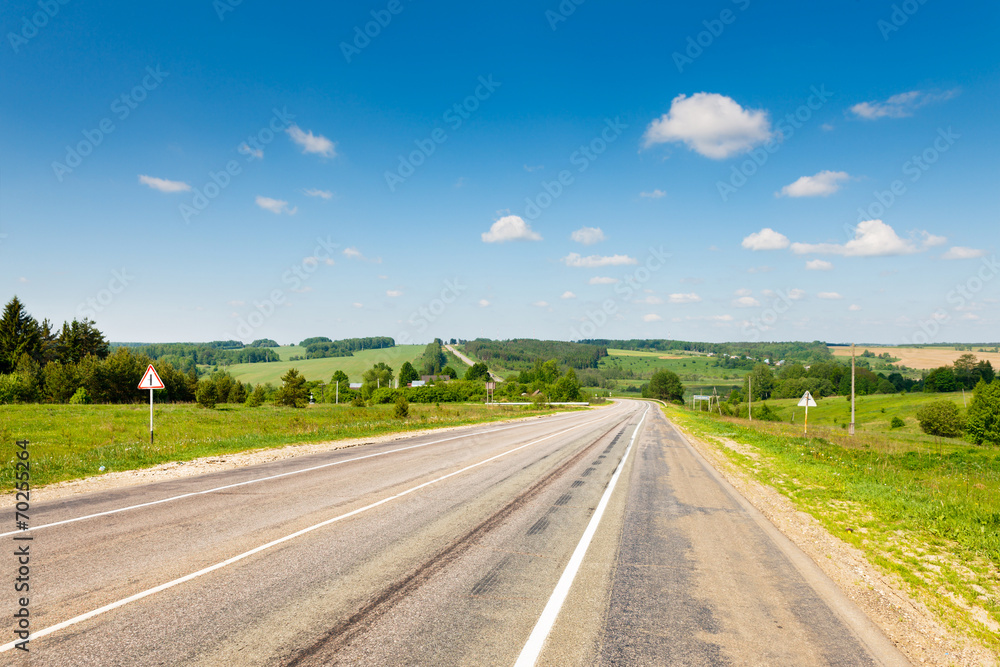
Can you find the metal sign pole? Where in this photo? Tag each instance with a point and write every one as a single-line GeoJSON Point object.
{"type": "Point", "coordinates": [150, 416]}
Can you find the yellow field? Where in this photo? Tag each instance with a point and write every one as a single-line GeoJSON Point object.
{"type": "Point", "coordinates": [921, 358]}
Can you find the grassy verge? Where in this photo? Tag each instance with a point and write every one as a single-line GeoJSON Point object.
{"type": "Point", "coordinates": [74, 441]}
{"type": "Point", "coordinates": [927, 513]}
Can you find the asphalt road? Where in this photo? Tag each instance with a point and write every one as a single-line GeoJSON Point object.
{"type": "Point", "coordinates": [439, 550]}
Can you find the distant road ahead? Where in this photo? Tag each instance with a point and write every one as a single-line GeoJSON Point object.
{"type": "Point", "coordinates": [440, 549]}
{"type": "Point", "coordinates": [470, 362]}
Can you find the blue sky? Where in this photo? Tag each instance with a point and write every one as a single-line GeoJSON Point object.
{"type": "Point", "coordinates": [730, 170]}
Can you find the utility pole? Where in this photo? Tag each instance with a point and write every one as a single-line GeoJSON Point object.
{"type": "Point", "coordinates": [851, 430]}
{"type": "Point", "coordinates": [750, 394]}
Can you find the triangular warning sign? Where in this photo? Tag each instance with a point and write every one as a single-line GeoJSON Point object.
{"type": "Point", "coordinates": [151, 380]}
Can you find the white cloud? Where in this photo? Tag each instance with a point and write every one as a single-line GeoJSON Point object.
{"type": "Point", "coordinates": [358, 304]}
{"type": "Point", "coordinates": [901, 105]}
{"type": "Point", "coordinates": [510, 228]}
{"type": "Point", "coordinates": [252, 152]}
{"type": "Point", "coordinates": [655, 194]}
{"type": "Point", "coordinates": [743, 292]}
{"type": "Point", "coordinates": [823, 184]}
{"type": "Point", "coordinates": [872, 238]}
{"type": "Point", "coordinates": [596, 261]}
{"type": "Point", "coordinates": [970, 316]}
{"type": "Point", "coordinates": [691, 297]}
{"type": "Point", "coordinates": [567, 295]}
{"type": "Point", "coordinates": [312, 143]}
{"type": "Point", "coordinates": [588, 235]}
{"type": "Point", "coordinates": [960, 252]}
{"type": "Point", "coordinates": [315, 192]}
{"type": "Point", "coordinates": [22, 279]}
{"type": "Point", "coordinates": [929, 240]}
{"type": "Point", "coordinates": [237, 303]}
{"type": "Point", "coordinates": [713, 125]}
{"type": "Point", "coordinates": [652, 317]}
{"type": "Point", "coordinates": [826, 127]}
{"type": "Point", "coordinates": [530, 169]}
{"type": "Point", "coordinates": [393, 293]}
{"type": "Point", "coordinates": [541, 304]}
{"type": "Point", "coordinates": [819, 265]}
{"type": "Point", "coordinates": [483, 303]}
{"type": "Point", "coordinates": [746, 302]}
{"type": "Point", "coordinates": [650, 300]}
{"type": "Point", "coordinates": [163, 185]}
{"type": "Point", "coordinates": [766, 239]}
{"type": "Point", "coordinates": [602, 280]}
{"type": "Point", "coordinates": [796, 294]}
{"type": "Point", "coordinates": [854, 308]}
{"type": "Point", "coordinates": [829, 295]}
{"type": "Point", "coordinates": [352, 253]}
{"type": "Point", "coordinates": [276, 206]}
{"type": "Point", "coordinates": [314, 261]}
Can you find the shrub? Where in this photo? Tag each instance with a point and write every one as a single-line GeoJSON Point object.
{"type": "Point", "coordinates": [402, 408]}
{"type": "Point", "coordinates": [358, 401]}
{"type": "Point", "coordinates": [206, 395]}
{"type": "Point", "coordinates": [897, 423]}
{"type": "Point", "coordinates": [384, 395]}
{"type": "Point", "coordinates": [293, 392]}
{"type": "Point", "coordinates": [81, 397]}
{"type": "Point", "coordinates": [940, 418]}
{"type": "Point", "coordinates": [983, 421]}
{"type": "Point", "coordinates": [255, 398]}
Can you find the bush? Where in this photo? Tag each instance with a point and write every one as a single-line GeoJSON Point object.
{"type": "Point", "coordinates": [358, 401]}
{"type": "Point", "coordinates": [983, 422]}
{"type": "Point", "coordinates": [765, 414]}
{"type": "Point", "coordinates": [256, 398]}
{"type": "Point", "coordinates": [206, 395]}
{"type": "Point", "coordinates": [897, 423]}
{"type": "Point", "coordinates": [384, 395]}
{"type": "Point", "coordinates": [81, 397]}
{"type": "Point", "coordinates": [402, 408]}
{"type": "Point", "coordinates": [941, 418]}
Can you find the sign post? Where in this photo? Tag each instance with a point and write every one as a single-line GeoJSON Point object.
{"type": "Point", "coordinates": [151, 381]}
{"type": "Point", "coordinates": [807, 401]}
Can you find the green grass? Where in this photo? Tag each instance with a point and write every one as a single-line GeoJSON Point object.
{"type": "Point", "coordinates": [74, 441]}
{"type": "Point", "coordinates": [872, 413]}
{"type": "Point", "coordinates": [928, 514]}
{"type": "Point", "coordinates": [323, 369]}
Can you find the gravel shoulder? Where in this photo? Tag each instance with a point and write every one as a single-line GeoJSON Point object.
{"type": "Point", "coordinates": [907, 622]}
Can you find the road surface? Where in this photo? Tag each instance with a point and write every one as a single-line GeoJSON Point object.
{"type": "Point", "coordinates": [590, 538]}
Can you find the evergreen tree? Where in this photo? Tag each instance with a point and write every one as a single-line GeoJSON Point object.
{"type": "Point", "coordinates": [293, 392]}
{"type": "Point", "coordinates": [19, 334]}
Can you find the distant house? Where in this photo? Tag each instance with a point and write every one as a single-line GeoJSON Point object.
{"type": "Point", "coordinates": [356, 386]}
{"type": "Point", "coordinates": [417, 383]}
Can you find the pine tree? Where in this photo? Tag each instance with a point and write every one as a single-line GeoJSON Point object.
{"type": "Point", "coordinates": [19, 334]}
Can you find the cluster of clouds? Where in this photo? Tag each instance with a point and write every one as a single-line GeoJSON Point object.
{"type": "Point", "coordinates": [872, 238]}
{"type": "Point", "coordinates": [310, 143]}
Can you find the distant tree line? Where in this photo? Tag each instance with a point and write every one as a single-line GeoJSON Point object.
{"type": "Point", "coordinates": [521, 353]}
{"type": "Point", "coordinates": [815, 351]}
{"type": "Point", "coordinates": [321, 347]}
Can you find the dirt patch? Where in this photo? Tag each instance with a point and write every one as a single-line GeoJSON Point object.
{"type": "Point", "coordinates": [671, 357]}
{"type": "Point", "coordinates": [207, 464]}
{"type": "Point", "coordinates": [908, 623]}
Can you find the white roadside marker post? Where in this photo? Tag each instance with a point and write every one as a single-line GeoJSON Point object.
{"type": "Point", "coordinates": [151, 380]}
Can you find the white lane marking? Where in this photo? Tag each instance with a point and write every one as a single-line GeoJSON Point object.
{"type": "Point", "coordinates": [533, 647]}
{"type": "Point", "coordinates": [170, 584]}
{"type": "Point", "coordinates": [255, 481]}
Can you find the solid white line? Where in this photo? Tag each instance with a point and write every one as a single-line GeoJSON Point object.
{"type": "Point", "coordinates": [255, 481]}
{"type": "Point", "coordinates": [533, 647]}
{"type": "Point", "coordinates": [170, 584]}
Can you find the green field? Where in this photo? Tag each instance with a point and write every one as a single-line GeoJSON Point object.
{"type": "Point", "coordinates": [872, 413]}
{"type": "Point", "coordinates": [74, 441]}
{"type": "Point", "coordinates": [929, 514]}
{"type": "Point", "coordinates": [690, 367]}
{"type": "Point", "coordinates": [323, 369]}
